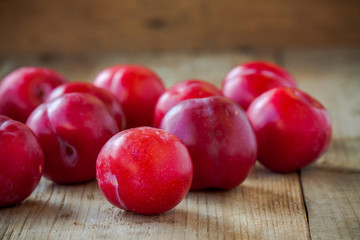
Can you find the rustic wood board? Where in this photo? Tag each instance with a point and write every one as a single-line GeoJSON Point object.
{"type": "Point", "coordinates": [331, 186]}
{"type": "Point", "coordinates": [266, 206]}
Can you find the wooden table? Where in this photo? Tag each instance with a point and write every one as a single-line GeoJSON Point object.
{"type": "Point", "coordinates": [322, 201]}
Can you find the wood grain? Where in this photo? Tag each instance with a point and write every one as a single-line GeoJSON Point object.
{"type": "Point", "coordinates": [266, 206]}
{"type": "Point", "coordinates": [332, 201]}
{"type": "Point", "coordinates": [331, 186]}
{"type": "Point", "coordinates": [107, 26]}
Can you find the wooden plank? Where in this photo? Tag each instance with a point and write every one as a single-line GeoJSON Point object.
{"type": "Point", "coordinates": [64, 26]}
{"type": "Point", "coordinates": [331, 185]}
{"type": "Point", "coordinates": [265, 206]}
{"type": "Point", "coordinates": [333, 203]}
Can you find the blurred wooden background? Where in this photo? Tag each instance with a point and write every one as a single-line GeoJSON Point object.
{"type": "Point", "coordinates": [106, 26]}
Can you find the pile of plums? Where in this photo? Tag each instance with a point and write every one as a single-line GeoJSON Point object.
{"type": "Point", "coordinates": [148, 146]}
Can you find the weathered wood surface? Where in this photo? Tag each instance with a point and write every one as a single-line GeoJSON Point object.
{"type": "Point", "coordinates": [65, 26]}
{"type": "Point", "coordinates": [320, 202]}
{"type": "Point", "coordinates": [331, 186]}
{"type": "Point", "coordinates": [265, 206]}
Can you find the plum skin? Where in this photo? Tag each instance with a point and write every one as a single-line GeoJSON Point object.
{"type": "Point", "coordinates": [137, 89]}
{"type": "Point", "coordinates": [144, 170]}
{"type": "Point", "coordinates": [21, 161]}
{"type": "Point", "coordinates": [219, 137]}
{"type": "Point", "coordinates": [192, 88]}
{"type": "Point", "coordinates": [22, 90]}
{"type": "Point", "coordinates": [247, 81]}
{"type": "Point", "coordinates": [292, 128]}
{"type": "Point", "coordinates": [111, 102]}
{"type": "Point", "coordinates": [72, 130]}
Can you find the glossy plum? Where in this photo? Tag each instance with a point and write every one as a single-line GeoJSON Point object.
{"type": "Point", "coordinates": [111, 102]}
{"type": "Point", "coordinates": [219, 137]}
{"type": "Point", "coordinates": [181, 91]}
{"type": "Point", "coordinates": [292, 128]}
{"type": "Point", "coordinates": [145, 170]}
{"type": "Point", "coordinates": [21, 161]}
{"type": "Point", "coordinates": [72, 129]}
{"type": "Point", "coordinates": [247, 81]}
{"type": "Point", "coordinates": [22, 90]}
{"type": "Point", "coordinates": [136, 87]}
